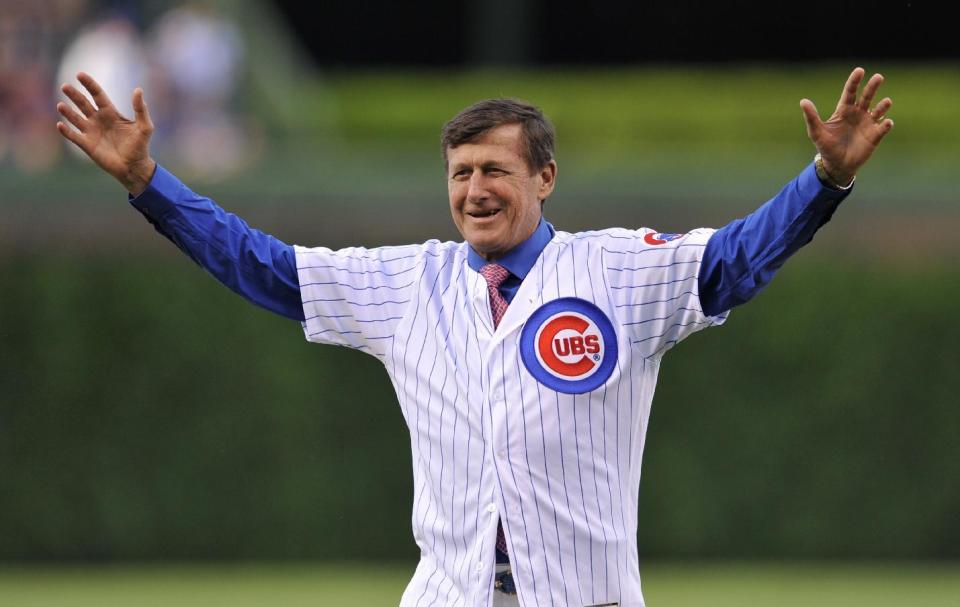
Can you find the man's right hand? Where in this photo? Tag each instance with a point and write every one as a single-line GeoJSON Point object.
{"type": "Point", "coordinates": [118, 145]}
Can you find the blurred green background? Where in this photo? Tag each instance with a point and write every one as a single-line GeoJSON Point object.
{"type": "Point", "coordinates": [161, 439]}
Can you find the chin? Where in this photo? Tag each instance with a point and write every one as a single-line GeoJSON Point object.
{"type": "Point", "coordinates": [480, 240]}
{"type": "Point", "coordinates": [485, 247]}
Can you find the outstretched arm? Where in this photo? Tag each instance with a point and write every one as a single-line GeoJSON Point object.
{"type": "Point", "coordinates": [255, 265]}
{"type": "Point", "coordinates": [742, 257]}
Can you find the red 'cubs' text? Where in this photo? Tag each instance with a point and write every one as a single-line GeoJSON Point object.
{"type": "Point", "coordinates": [577, 345]}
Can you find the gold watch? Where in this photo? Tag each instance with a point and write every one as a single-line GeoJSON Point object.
{"type": "Point", "coordinates": [825, 177]}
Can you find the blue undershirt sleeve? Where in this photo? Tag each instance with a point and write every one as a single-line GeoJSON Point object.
{"type": "Point", "coordinates": [255, 265]}
{"type": "Point", "coordinates": [742, 257]}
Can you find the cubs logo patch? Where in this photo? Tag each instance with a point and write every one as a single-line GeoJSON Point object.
{"type": "Point", "coordinates": [655, 239]}
{"type": "Point", "coordinates": [569, 345]}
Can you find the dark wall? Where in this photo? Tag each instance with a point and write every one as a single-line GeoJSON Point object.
{"type": "Point", "coordinates": [147, 412]}
{"type": "Point", "coordinates": [541, 32]}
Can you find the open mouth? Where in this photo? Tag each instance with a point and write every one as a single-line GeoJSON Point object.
{"type": "Point", "coordinates": [483, 214]}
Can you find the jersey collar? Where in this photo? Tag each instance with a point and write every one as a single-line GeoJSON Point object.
{"type": "Point", "coordinates": [520, 259]}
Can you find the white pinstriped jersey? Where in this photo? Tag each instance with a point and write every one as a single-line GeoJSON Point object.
{"type": "Point", "coordinates": [491, 439]}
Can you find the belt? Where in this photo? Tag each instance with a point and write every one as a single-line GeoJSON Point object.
{"type": "Point", "coordinates": [503, 581]}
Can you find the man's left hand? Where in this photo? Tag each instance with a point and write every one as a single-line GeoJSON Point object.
{"type": "Point", "coordinates": [848, 138]}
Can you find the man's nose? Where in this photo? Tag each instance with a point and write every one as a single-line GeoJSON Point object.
{"type": "Point", "coordinates": [478, 187]}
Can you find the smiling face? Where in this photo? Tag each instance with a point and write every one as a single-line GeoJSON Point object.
{"type": "Point", "coordinates": [495, 199]}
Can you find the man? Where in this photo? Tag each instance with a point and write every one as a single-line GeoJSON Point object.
{"type": "Point", "coordinates": [525, 358]}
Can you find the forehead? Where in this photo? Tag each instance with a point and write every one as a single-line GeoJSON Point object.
{"type": "Point", "coordinates": [503, 143]}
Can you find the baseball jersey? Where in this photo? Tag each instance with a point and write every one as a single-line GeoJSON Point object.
{"type": "Point", "coordinates": [539, 423]}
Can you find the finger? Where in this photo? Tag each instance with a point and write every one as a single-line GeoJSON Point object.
{"type": "Point", "coordinates": [71, 135]}
{"type": "Point", "coordinates": [881, 110]}
{"type": "Point", "coordinates": [79, 99]}
{"type": "Point", "coordinates": [811, 117]}
{"type": "Point", "coordinates": [140, 111]}
{"type": "Point", "coordinates": [870, 91]}
{"type": "Point", "coordinates": [849, 95]}
{"type": "Point", "coordinates": [882, 129]}
{"type": "Point", "coordinates": [73, 116]}
{"type": "Point", "coordinates": [95, 89]}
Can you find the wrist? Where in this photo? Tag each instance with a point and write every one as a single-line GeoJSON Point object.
{"type": "Point", "coordinates": [139, 176]}
{"type": "Point", "coordinates": [829, 177]}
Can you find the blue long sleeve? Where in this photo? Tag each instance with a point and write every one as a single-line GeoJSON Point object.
{"type": "Point", "coordinates": [255, 265]}
{"type": "Point", "coordinates": [742, 257]}
{"type": "Point", "coordinates": [739, 261]}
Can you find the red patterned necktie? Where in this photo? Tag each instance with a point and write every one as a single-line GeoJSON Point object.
{"type": "Point", "coordinates": [495, 274]}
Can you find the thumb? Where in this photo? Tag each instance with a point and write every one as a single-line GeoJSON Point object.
{"type": "Point", "coordinates": [811, 117]}
{"type": "Point", "coordinates": [141, 113]}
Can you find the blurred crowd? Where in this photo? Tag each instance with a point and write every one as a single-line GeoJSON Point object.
{"type": "Point", "coordinates": [189, 59]}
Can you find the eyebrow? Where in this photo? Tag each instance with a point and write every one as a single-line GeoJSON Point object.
{"type": "Point", "coordinates": [490, 164]}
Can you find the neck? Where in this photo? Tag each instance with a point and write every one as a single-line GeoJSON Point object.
{"type": "Point", "coordinates": [491, 256]}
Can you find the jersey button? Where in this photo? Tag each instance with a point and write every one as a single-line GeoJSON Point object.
{"type": "Point", "coordinates": [502, 454]}
{"type": "Point", "coordinates": [479, 566]}
{"type": "Point", "coordinates": [492, 508]}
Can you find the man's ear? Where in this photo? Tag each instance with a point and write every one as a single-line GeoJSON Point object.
{"type": "Point", "coordinates": [548, 179]}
